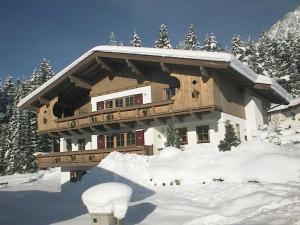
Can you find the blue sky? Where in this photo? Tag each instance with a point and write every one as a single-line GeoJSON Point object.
{"type": "Point", "coordinates": [61, 30]}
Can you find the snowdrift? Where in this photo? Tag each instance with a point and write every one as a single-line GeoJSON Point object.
{"type": "Point", "coordinates": [255, 161]}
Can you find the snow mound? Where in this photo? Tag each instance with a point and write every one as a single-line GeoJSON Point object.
{"type": "Point", "coordinates": [256, 161]}
{"type": "Point", "coordinates": [108, 198]}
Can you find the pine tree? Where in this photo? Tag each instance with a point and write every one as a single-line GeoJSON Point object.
{"type": "Point", "coordinates": [230, 138]}
{"type": "Point", "coordinates": [112, 39]}
{"type": "Point", "coordinates": [211, 44]}
{"type": "Point", "coordinates": [191, 39]}
{"type": "Point", "coordinates": [163, 38]}
{"type": "Point", "coordinates": [173, 138]}
{"type": "Point", "coordinates": [136, 40]}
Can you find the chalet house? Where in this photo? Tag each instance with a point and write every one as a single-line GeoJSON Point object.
{"type": "Point", "coordinates": [121, 98]}
{"type": "Point", "coordinates": [286, 116]}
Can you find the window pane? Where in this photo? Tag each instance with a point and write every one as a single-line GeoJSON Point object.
{"type": "Point", "coordinates": [108, 104]}
{"type": "Point", "coordinates": [129, 101]}
{"type": "Point", "coordinates": [109, 141]}
{"type": "Point", "coordinates": [182, 132]}
{"type": "Point", "coordinates": [202, 134]}
{"type": "Point", "coordinates": [130, 138]}
{"type": "Point", "coordinates": [170, 92]}
{"type": "Point", "coordinates": [120, 139]}
{"type": "Point", "coordinates": [81, 144]}
{"type": "Point", "coordinates": [119, 102]}
{"type": "Point", "coordinates": [69, 145]}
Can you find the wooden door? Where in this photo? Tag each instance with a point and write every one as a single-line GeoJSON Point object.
{"type": "Point", "coordinates": [138, 99]}
{"type": "Point", "coordinates": [101, 141]}
{"type": "Point", "coordinates": [139, 138]}
{"type": "Point", "coordinates": [100, 105]}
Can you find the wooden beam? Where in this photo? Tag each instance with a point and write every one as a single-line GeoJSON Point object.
{"type": "Point", "coordinates": [126, 125]}
{"type": "Point", "coordinates": [262, 86]}
{"type": "Point", "coordinates": [97, 129]}
{"type": "Point", "coordinates": [177, 118]}
{"type": "Point", "coordinates": [204, 72]}
{"type": "Point", "coordinates": [65, 104]}
{"type": "Point", "coordinates": [165, 68]}
{"type": "Point", "coordinates": [196, 116]}
{"type": "Point", "coordinates": [85, 131]}
{"type": "Point", "coordinates": [134, 68]}
{"type": "Point", "coordinates": [53, 135]}
{"type": "Point", "coordinates": [79, 82]}
{"type": "Point", "coordinates": [104, 65]}
{"type": "Point", "coordinates": [161, 121]}
{"type": "Point", "coordinates": [44, 101]}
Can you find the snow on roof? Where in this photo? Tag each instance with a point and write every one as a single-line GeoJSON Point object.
{"type": "Point", "coordinates": [175, 53]}
{"type": "Point", "coordinates": [293, 102]}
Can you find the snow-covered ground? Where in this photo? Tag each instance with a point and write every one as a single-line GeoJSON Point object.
{"type": "Point", "coordinates": [261, 186]}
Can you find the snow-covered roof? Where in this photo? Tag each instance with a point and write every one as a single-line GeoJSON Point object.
{"type": "Point", "coordinates": [293, 102]}
{"type": "Point", "coordinates": [172, 53]}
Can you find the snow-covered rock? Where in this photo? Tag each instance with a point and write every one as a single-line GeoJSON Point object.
{"type": "Point", "coordinates": [108, 198]}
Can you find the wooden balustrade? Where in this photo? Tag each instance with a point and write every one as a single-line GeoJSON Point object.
{"type": "Point", "coordinates": [125, 114]}
{"type": "Point", "coordinates": [86, 157]}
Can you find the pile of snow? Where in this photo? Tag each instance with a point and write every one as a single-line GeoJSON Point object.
{"type": "Point", "coordinates": [242, 164]}
{"type": "Point", "coordinates": [251, 161]}
{"type": "Point", "coordinates": [108, 198]}
{"type": "Point", "coordinates": [283, 137]}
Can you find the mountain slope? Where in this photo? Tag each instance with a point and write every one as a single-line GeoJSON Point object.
{"type": "Point", "coordinates": [289, 23]}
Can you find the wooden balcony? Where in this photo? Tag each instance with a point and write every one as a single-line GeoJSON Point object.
{"type": "Point", "coordinates": [109, 119]}
{"type": "Point", "coordinates": [86, 157]}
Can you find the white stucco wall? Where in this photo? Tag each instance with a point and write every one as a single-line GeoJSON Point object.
{"type": "Point", "coordinates": [146, 91]}
{"type": "Point", "coordinates": [254, 113]}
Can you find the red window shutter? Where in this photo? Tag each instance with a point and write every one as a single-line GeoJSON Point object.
{"type": "Point", "coordinates": [139, 137]}
{"type": "Point", "coordinates": [101, 142]}
{"type": "Point", "coordinates": [138, 99]}
{"type": "Point", "coordinates": [100, 105]}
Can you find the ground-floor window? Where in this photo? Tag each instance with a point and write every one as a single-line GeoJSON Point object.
{"type": "Point", "coordinates": [130, 138]}
{"type": "Point", "coordinates": [69, 145]}
{"type": "Point", "coordinates": [238, 132]}
{"type": "Point", "coordinates": [202, 134]}
{"type": "Point", "coordinates": [182, 132]}
{"type": "Point", "coordinates": [120, 140]}
{"type": "Point", "coordinates": [81, 144]}
{"type": "Point", "coordinates": [109, 141]}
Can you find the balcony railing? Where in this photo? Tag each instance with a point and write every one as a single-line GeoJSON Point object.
{"type": "Point", "coordinates": [86, 157]}
{"type": "Point", "coordinates": [124, 115]}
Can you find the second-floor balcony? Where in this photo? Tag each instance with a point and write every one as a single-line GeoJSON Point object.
{"type": "Point", "coordinates": [116, 118]}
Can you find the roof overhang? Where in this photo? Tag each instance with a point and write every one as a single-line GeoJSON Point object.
{"type": "Point", "coordinates": [185, 57]}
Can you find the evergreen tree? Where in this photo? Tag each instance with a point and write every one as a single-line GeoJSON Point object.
{"type": "Point", "coordinates": [230, 138]}
{"type": "Point", "coordinates": [173, 138]}
{"type": "Point", "coordinates": [211, 44]}
{"type": "Point", "coordinates": [136, 40]}
{"type": "Point", "coordinates": [191, 39]}
{"type": "Point", "coordinates": [112, 39]}
{"type": "Point", "coordinates": [163, 38]}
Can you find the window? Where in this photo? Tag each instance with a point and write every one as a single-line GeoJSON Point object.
{"type": "Point", "coordinates": [182, 132]}
{"type": "Point", "coordinates": [202, 134]}
{"type": "Point", "coordinates": [121, 140]}
{"type": "Point", "coordinates": [238, 132]}
{"type": "Point", "coordinates": [169, 93]}
{"type": "Point", "coordinates": [109, 141]}
{"type": "Point", "coordinates": [129, 101]}
{"type": "Point", "coordinates": [81, 144]}
{"type": "Point", "coordinates": [69, 145]}
{"type": "Point", "coordinates": [109, 104]}
{"type": "Point", "coordinates": [119, 102]}
{"type": "Point", "coordinates": [130, 138]}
